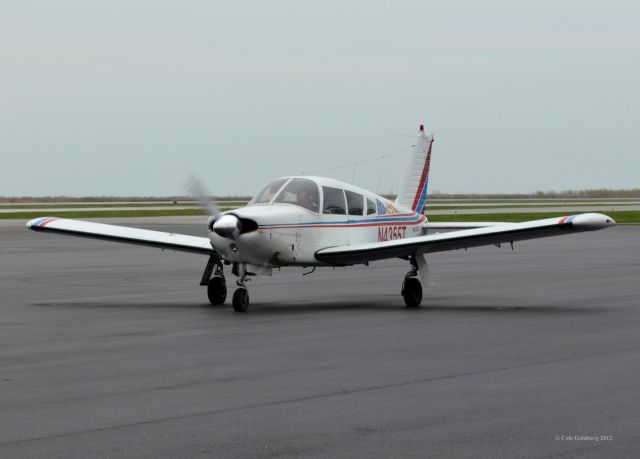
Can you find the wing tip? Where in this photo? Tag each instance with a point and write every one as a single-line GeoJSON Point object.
{"type": "Point", "coordinates": [589, 221]}
{"type": "Point", "coordinates": [37, 224]}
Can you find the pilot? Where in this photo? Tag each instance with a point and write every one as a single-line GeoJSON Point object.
{"type": "Point", "coordinates": [306, 200]}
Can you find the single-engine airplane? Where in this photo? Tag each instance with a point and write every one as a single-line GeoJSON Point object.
{"type": "Point", "coordinates": [314, 221]}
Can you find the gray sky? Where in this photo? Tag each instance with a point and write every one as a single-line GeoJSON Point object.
{"type": "Point", "coordinates": [131, 97]}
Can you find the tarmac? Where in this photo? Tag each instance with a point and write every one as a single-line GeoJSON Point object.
{"type": "Point", "coordinates": [111, 350]}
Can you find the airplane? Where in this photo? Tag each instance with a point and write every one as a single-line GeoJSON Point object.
{"type": "Point", "coordinates": [311, 222]}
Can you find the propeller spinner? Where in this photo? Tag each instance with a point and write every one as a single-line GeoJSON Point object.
{"type": "Point", "coordinates": [228, 226]}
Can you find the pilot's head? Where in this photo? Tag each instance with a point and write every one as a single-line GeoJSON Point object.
{"type": "Point", "coordinates": [304, 196]}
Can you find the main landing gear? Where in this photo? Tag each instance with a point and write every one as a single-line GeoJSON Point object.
{"type": "Point", "coordinates": [216, 285]}
{"type": "Point", "coordinates": [213, 278]}
{"type": "Point", "coordinates": [217, 290]}
{"type": "Point", "coordinates": [411, 287]}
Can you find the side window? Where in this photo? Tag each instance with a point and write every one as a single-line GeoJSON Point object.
{"type": "Point", "coordinates": [354, 203]}
{"type": "Point", "coordinates": [371, 207]}
{"type": "Point", "coordinates": [334, 202]}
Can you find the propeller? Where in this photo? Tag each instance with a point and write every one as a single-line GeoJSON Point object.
{"type": "Point", "coordinates": [199, 194]}
{"type": "Point", "coordinates": [225, 225]}
{"type": "Point", "coordinates": [228, 226]}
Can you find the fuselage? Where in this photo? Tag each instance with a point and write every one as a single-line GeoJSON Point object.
{"type": "Point", "coordinates": [288, 226]}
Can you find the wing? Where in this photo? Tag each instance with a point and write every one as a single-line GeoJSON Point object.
{"type": "Point", "coordinates": [460, 225]}
{"type": "Point", "coordinates": [504, 233]}
{"type": "Point", "coordinates": [171, 241]}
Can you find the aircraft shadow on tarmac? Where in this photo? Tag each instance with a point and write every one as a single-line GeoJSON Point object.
{"type": "Point", "coordinates": [308, 307]}
{"type": "Point", "coordinates": [278, 308]}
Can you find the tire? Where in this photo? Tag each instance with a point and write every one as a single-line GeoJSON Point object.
{"type": "Point", "coordinates": [241, 300]}
{"type": "Point", "coordinates": [412, 292]}
{"type": "Point", "coordinates": [217, 290]}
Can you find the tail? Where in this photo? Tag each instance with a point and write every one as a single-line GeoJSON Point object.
{"type": "Point", "coordinates": [413, 192]}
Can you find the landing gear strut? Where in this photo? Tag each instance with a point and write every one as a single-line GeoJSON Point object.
{"type": "Point", "coordinates": [216, 285]}
{"type": "Point", "coordinates": [241, 295]}
{"type": "Point", "coordinates": [411, 287]}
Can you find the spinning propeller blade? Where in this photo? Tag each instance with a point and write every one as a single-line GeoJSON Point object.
{"type": "Point", "coordinates": [199, 194]}
{"type": "Point", "coordinates": [227, 225]}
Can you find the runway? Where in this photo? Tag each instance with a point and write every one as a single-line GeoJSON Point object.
{"type": "Point", "coordinates": [110, 350]}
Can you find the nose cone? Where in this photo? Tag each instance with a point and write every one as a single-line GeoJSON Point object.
{"type": "Point", "coordinates": [592, 221]}
{"type": "Point", "coordinates": [228, 226]}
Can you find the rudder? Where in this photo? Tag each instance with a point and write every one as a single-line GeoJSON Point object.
{"type": "Point", "coordinates": [413, 192]}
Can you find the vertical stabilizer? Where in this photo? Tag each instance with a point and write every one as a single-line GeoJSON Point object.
{"type": "Point", "coordinates": [413, 192]}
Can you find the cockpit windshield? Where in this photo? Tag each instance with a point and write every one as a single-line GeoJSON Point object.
{"type": "Point", "coordinates": [268, 192]}
{"type": "Point", "coordinates": [301, 192]}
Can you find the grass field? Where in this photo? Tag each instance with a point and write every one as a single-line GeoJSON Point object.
{"type": "Point", "coordinates": [531, 201]}
{"type": "Point", "coordinates": [621, 217]}
{"type": "Point", "coordinates": [106, 213]}
{"type": "Point", "coordinates": [92, 205]}
{"type": "Point", "coordinates": [532, 206]}
{"type": "Point", "coordinates": [440, 203]}
{"type": "Point", "coordinates": [184, 206]}
{"type": "Point", "coordinates": [181, 206]}
{"type": "Point", "coordinates": [107, 205]}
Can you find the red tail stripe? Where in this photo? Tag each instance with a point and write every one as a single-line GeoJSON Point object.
{"type": "Point", "coordinates": [423, 179]}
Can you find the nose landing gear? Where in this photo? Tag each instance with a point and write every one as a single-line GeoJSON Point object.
{"type": "Point", "coordinates": [241, 299]}
{"type": "Point", "coordinates": [241, 295]}
{"type": "Point", "coordinates": [217, 287]}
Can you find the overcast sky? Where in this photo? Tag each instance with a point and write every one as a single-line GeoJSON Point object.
{"type": "Point", "coordinates": [131, 97]}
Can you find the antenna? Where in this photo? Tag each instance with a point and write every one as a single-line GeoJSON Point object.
{"type": "Point", "coordinates": [364, 161]}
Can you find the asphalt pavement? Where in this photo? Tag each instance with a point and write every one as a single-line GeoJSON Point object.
{"type": "Point", "coordinates": [110, 350]}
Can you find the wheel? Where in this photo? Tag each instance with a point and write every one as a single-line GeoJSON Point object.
{"type": "Point", "coordinates": [241, 300]}
{"type": "Point", "coordinates": [217, 290]}
{"type": "Point", "coordinates": [412, 292]}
